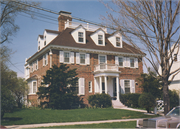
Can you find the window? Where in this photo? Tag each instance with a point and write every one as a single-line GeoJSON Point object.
{"type": "Point", "coordinates": [82, 58]}
{"type": "Point", "coordinates": [38, 47]}
{"type": "Point", "coordinates": [44, 43]}
{"type": "Point", "coordinates": [36, 65]}
{"type": "Point", "coordinates": [102, 59]}
{"type": "Point", "coordinates": [131, 62]}
{"type": "Point", "coordinates": [76, 89]}
{"type": "Point", "coordinates": [100, 39]}
{"type": "Point", "coordinates": [90, 86]}
{"type": "Point", "coordinates": [34, 87]}
{"type": "Point", "coordinates": [45, 59]}
{"type": "Point", "coordinates": [127, 86]}
{"type": "Point", "coordinates": [80, 35]}
{"type": "Point", "coordinates": [118, 41]}
{"type": "Point", "coordinates": [120, 60]}
{"type": "Point", "coordinates": [175, 57]}
{"type": "Point", "coordinates": [66, 57]}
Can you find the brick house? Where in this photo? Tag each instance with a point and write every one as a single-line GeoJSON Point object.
{"type": "Point", "coordinates": [105, 64]}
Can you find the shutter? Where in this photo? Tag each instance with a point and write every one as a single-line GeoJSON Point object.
{"type": "Point", "coordinates": [95, 85]}
{"type": "Point", "coordinates": [77, 58]}
{"type": "Point", "coordinates": [124, 61]}
{"type": "Point", "coordinates": [81, 86]}
{"type": "Point", "coordinates": [132, 86]}
{"type": "Point", "coordinates": [122, 86]}
{"type": "Point", "coordinates": [46, 58]}
{"type": "Point", "coordinates": [116, 60]}
{"type": "Point", "coordinates": [37, 63]}
{"type": "Point", "coordinates": [127, 62]}
{"type": "Point", "coordinates": [136, 62]}
{"type": "Point", "coordinates": [43, 60]}
{"type": "Point", "coordinates": [72, 57]}
{"type": "Point", "coordinates": [88, 59]}
{"type": "Point", "coordinates": [61, 56]}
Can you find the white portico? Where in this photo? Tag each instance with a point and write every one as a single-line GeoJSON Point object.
{"type": "Point", "coordinates": [106, 79]}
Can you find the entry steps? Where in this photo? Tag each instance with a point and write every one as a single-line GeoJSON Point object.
{"type": "Point", "coordinates": [117, 104]}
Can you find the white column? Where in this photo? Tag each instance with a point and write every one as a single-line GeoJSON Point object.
{"type": "Point", "coordinates": [117, 87]}
{"type": "Point", "coordinates": [105, 80]}
{"type": "Point", "coordinates": [100, 84]}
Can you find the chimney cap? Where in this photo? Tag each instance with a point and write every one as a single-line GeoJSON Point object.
{"type": "Point", "coordinates": [64, 13]}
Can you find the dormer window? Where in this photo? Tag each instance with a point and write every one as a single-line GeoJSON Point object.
{"type": "Point", "coordinates": [44, 43]}
{"type": "Point", "coordinates": [100, 39]}
{"type": "Point", "coordinates": [80, 36]}
{"type": "Point", "coordinates": [118, 41]}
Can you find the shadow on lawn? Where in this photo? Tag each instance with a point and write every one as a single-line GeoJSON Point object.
{"type": "Point", "coordinates": [11, 118]}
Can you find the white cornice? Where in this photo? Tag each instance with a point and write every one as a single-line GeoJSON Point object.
{"type": "Point", "coordinates": [76, 49]}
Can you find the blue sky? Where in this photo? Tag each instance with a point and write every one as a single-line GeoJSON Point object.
{"type": "Point", "coordinates": [24, 44]}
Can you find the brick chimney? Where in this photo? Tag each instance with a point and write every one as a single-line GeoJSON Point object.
{"type": "Point", "coordinates": [63, 16]}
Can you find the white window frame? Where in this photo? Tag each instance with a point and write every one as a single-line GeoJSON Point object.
{"type": "Point", "coordinates": [80, 36]}
{"type": "Point", "coordinates": [100, 39]}
{"type": "Point", "coordinates": [90, 86]}
{"type": "Point", "coordinates": [69, 57]}
{"type": "Point", "coordinates": [118, 41]}
{"type": "Point", "coordinates": [33, 87]}
{"type": "Point", "coordinates": [131, 58]}
{"type": "Point", "coordinates": [81, 86]}
{"type": "Point", "coordinates": [99, 58]}
{"type": "Point", "coordinates": [122, 61]}
{"type": "Point", "coordinates": [84, 58]}
{"type": "Point", "coordinates": [132, 85]}
{"type": "Point", "coordinates": [45, 59]}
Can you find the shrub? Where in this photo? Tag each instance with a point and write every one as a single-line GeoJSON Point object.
{"type": "Point", "coordinates": [130, 100]}
{"type": "Point", "coordinates": [100, 100]}
{"type": "Point", "coordinates": [147, 101]}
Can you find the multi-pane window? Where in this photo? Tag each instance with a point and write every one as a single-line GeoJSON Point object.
{"type": "Point", "coordinates": [118, 41]}
{"type": "Point", "coordinates": [82, 58]}
{"type": "Point", "coordinates": [66, 57]}
{"type": "Point", "coordinates": [100, 39]}
{"type": "Point", "coordinates": [127, 86]}
{"type": "Point", "coordinates": [131, 62]}
{"type": "Point", "coordinates": [120, 60]}
{"type": "Point", "coordinates": [45, 59]}
{"type": "Point", "coordinates": [102, 59]}
{"type": "Point", "coordinates": [80, 36]}
{"type": "Point", "coordinates": [90, 86]}
{"type": "Point", "coordinates": [34, 87]}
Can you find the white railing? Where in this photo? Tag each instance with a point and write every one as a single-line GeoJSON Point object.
{"type": "Point", "coordinates": [106, 67]}
{"type": "Point", "coordinates": [87, 26]}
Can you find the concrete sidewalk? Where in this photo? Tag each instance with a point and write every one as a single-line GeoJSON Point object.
{"type": "Point", "coordinates": [76, 123]}
{"type": "Point", "coordinates": [67, 123]}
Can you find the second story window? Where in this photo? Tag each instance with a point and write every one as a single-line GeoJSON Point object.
{"type": "Point", "coordinates": [118, 41]}
{"type": "Point", "coordinates": [132, 62]}
{"type": "Point", "coordinates": [82, 58]}
{"type": "Point", "coordinates": [66, 57]}
{"type": "Point", "coordinates": [120, 60]}
{"type": "Point", "coordinates": [45, 59]}
{"type": "Point", "coordinates": [100, 39]}
{"type": "Point", "coordinates": [80, 37]}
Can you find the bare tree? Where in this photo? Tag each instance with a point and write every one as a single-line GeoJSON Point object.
{"type": "Point", "coordinates": [151, 26]}
{"type": "Point", "coordinates": [9, 11]}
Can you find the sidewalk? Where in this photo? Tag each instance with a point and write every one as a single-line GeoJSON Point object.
{"type": "Point", "coordinates": [67, 123]}
{"type": "Point", "coordinates": [75, 123]}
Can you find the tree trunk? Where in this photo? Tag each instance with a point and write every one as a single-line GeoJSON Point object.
{"type": "Point", "coordinates": [166, 97]}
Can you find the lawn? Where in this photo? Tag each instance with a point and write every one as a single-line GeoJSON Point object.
{"type": "Point", "coordinates": [36, 116]}
{"type": "Point", "coordinates": [130, 124]}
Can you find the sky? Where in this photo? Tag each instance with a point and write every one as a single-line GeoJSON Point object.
{"type": "Point", "coordinates": [24, 43]}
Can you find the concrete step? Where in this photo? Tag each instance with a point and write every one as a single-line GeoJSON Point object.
{"type": "Point", "coordinates": [117, 104]}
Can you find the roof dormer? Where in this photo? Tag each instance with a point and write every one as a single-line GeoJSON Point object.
{"type": "Point", "coordinates": [99, 37]}
{"type": "Point", "coordinates": [116, 39]}
{"type": "Point", "coordinates": [79, 34]}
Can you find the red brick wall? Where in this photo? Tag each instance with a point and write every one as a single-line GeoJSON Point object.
{"type": "Point", "coordinates": [87, 71]}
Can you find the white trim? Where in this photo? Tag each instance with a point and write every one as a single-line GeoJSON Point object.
{"type": "Point", "coordinates": [132, 86]}
{"type": "Point", "coordinates": [61, 56]}
{"type": "Point", "coordinates": [72, 57]}
{"type": "Point", "coordinates": [122, 86]}
{"type": "Point", "coordinates": [69, 57]}
{"type": "Point", "coordinates": [87, 58]}
{"type": "Point", "coordinates": [81, 86]}
{"type": "Point", "coordinates": [77, 58]}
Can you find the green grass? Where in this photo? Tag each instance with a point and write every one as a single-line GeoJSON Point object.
{"type": "Point", "coordinates": [36, 116]}
{"type": "Point", "coordinates": [130, 124]}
